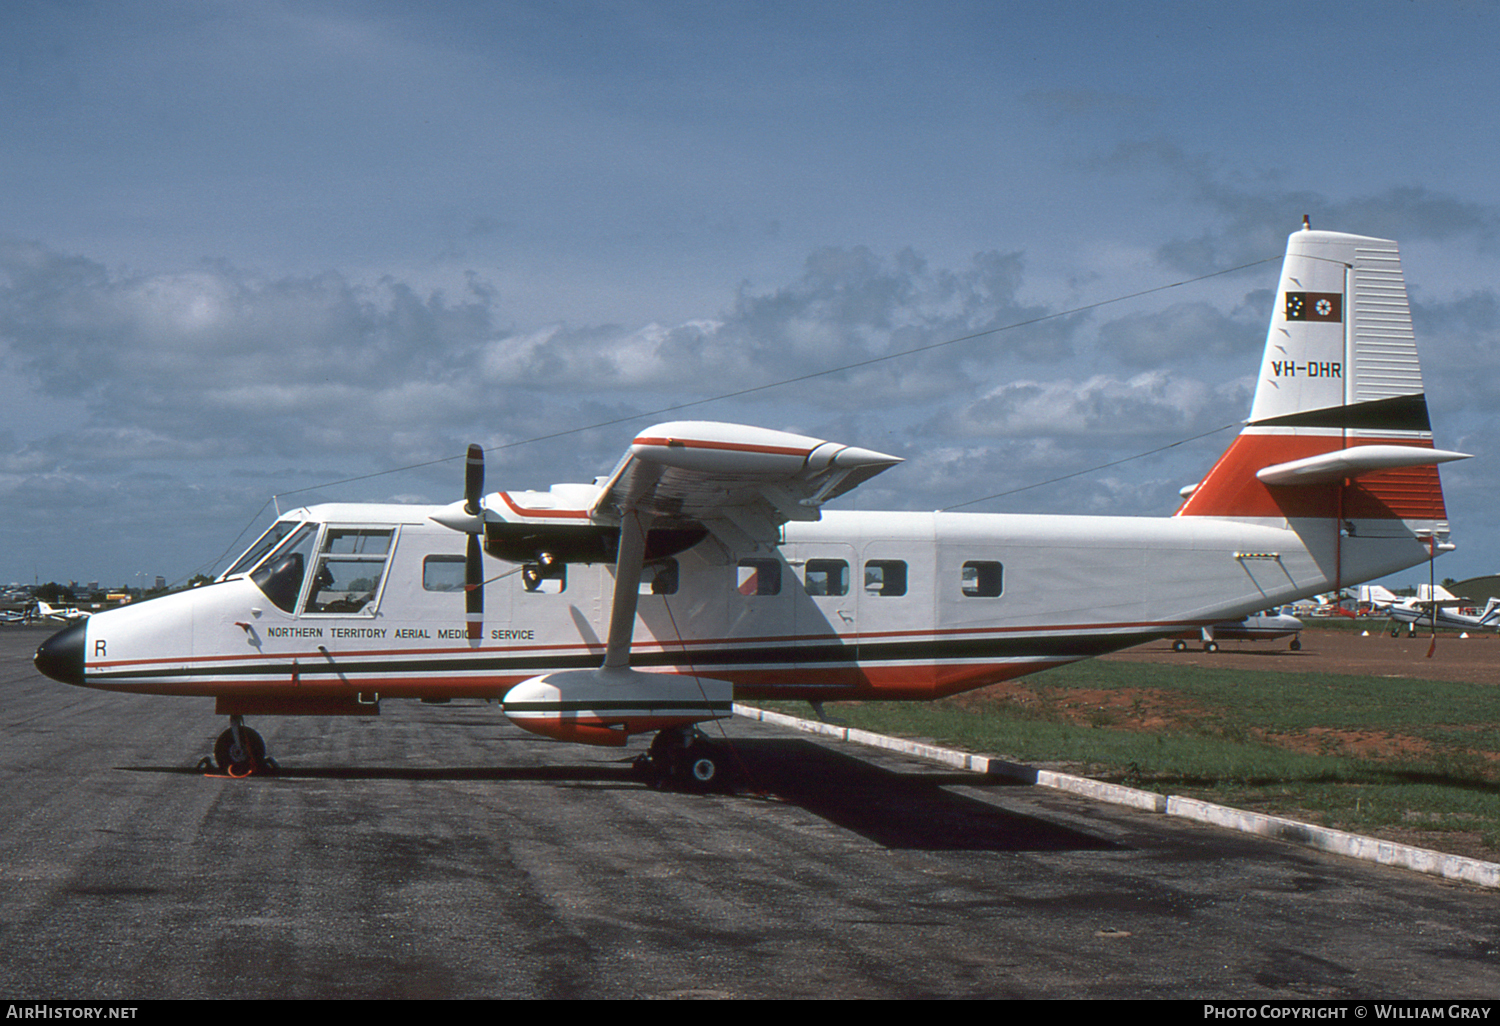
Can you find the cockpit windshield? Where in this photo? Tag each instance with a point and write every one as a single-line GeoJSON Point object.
{"type": "Point", "coordinates": [263, 545]}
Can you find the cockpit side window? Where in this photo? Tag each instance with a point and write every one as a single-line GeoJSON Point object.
{"type": "Point", "coordinates": [350, 569]}
{"type": "Point", "coordinates": [281, 580]}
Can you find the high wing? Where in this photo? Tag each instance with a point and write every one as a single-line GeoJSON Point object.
{"type": "Point", "coordinates": [729, 478]}
{"type": "Point", "coordinates": [676, 482]}
{"type": "Point", "coordinates": [726, 477]}
{"type": "Point", "coordinates": [755, 479]}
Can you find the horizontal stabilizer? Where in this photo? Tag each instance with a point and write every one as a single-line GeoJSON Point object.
{"type": "Point", "coordinates": [1360, 459]}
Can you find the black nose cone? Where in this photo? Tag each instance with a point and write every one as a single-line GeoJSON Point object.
{"type": "Point", "coordinates": [61, 656]}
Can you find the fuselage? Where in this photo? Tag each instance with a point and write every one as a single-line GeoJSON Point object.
{"type": "Point", "coordinates": [344, 605]}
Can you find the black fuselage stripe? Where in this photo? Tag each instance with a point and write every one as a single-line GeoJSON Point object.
{"type": "Point", "coordinates": [968, 649]}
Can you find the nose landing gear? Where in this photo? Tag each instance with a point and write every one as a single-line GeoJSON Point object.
{"type": "Point", "coordinates": [240, 752]}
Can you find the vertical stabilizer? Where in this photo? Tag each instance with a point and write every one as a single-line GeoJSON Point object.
{"type": "Point", "coordinates": [1339, 426]}
{"type": "Point", "coordinates": [1340, 351]}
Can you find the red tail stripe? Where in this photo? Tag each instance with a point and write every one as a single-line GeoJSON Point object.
{"type": "Point", "coordinates": [1231, 488]}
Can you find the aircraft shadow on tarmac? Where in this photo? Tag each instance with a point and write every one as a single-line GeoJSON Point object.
{"type": "Point", "coordinates": [894, 809]}
{"type": "Point", "coordinates": [890, 808]}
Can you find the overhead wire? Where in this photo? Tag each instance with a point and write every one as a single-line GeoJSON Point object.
{"type": "Point", "coordinates": [783, 382]}
{"type": "Point", "coordinates": [1090, 470]}
{"type": "Point", "coordinates": [797, 379]}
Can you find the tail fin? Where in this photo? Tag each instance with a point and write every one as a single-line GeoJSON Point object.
{"type": "Point", "coordinates": [1339, 427]}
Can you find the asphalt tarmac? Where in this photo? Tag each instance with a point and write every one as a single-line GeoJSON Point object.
{"type": "Point", "coordinates": [438, 852]}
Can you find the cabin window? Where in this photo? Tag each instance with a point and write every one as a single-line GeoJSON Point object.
{"type": "Point", "coordinates": [826, 577]}
{"type": "Point", "coordinates": [350, 569]}
{"type": "Point", "coordinates": [759, 577]}
{"type": "Point", "coordinates": [983, 578]}
{"type": "Point", "coordinates": [443, 573]}
{"type": "Point", "coordinates": [885, 577]}
{"type": "Point", "coordinates": [659, 578]}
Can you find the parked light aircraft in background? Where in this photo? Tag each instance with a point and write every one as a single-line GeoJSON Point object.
{"type": "Point", "coordinates": [704, 568]}
{"type": "Point", "coordinates": [1268, 625]}
{"type": "Point", "coordinates": [1374, 598]}
{"type": "Point", "coordinates": [68, 614]}
{"type": "Point", "coordinates": [1436, 607]}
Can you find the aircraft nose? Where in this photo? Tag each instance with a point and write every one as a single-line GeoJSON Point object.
{"type": "Point", "coordinates": [61, 656]}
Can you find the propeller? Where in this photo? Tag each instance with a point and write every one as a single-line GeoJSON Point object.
{"type": "Point", "coordinates": [474, 552]}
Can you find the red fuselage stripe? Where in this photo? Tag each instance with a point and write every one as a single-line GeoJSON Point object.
{"type": "Point", "coordinates": [316, 656]}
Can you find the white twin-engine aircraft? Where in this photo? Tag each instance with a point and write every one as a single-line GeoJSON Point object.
{"type": "Point", "coordinates": [703, 569]}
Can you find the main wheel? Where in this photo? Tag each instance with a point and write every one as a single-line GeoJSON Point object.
{"type": "Point", "coordinates": [251, 759]}
{"type": "Point", "coordinates": [701, 769]}
{"type": "Point", "coordinates": [707, 767]}
{"type": "Point", "coordinates": [1179, 645]}
{"type": "Point", "coordinates": [1212, 646]}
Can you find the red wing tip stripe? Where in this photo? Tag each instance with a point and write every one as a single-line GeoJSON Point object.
{"type": "Point", "coordinates": [699, 443]}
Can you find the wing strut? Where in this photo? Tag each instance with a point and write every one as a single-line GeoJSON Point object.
{"type": "Point", "coordinates": [629, 560]}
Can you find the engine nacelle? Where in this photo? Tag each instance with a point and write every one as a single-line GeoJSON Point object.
{"type": "Point", "coordinates": [606, 706]}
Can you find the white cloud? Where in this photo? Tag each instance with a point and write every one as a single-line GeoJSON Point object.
{"type": "Point", "coordinates": [300, 363]}
{"type": "Point", "coordinates": [1182, 332]}
{"type": "Point", "coordinates": [1102, 407]}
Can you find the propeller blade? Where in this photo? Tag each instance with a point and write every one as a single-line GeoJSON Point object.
{"type": "Point", "coordinates": [473, 479]}
{"type": "Point", "coordinates": [474, 587]}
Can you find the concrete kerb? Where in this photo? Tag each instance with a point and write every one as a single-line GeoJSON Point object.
{"type": "Point", "coordinates": [1337, 842]}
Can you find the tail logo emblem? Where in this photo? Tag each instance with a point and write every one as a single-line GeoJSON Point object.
{"type": "Point", "coordinates": [1314, 306]}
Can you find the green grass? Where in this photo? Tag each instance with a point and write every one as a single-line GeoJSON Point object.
{"type": "Point", "coordinates": [1272, 742]}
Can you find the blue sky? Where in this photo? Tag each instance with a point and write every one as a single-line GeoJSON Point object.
{"type": "Point", "coordinates": [256, 248]}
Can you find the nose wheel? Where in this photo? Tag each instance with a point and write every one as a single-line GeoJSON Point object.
{"type": "Point", "coordinates": [240, 751]}
{"type": "Point", "coordinates": [684, 758]}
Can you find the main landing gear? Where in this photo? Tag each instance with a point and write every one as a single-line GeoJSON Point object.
{"type": "Point", "coordinates": [1181, 647]}
{"type": "Point", "coordinates": [239, 752]}
{"type": "Point", "coordinates": [684, 757]}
